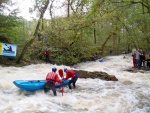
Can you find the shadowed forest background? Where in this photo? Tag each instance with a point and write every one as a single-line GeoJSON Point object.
{"type": "Point", "coordinates": [87, 27]}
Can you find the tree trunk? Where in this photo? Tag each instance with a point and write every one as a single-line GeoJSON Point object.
{"type": "Point", "coordinates": [68, 8]}
{"type": "Point", "coordinates": [94, 35]}
{"type": "Point", "coordinates": [35, 33]}
{"type": "Point", "coordinates": [24, 50]}
{"type": "Point", "coordinates": [103, 45]}
{"type": "Point", "coordinates": [41, 17]}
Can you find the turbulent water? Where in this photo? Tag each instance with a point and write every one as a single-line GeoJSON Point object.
{"type": "Point", "coordinates": [131, 94]}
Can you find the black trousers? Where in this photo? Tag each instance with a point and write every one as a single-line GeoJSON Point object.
{"type": "Point", "coordinates": [73, 81]}
{"type": "Point", "coordinates": [50, 86]}
{"type": "Point", "coordinates": [47, 58]}
{"type": "Point", "coordinates": [148, 64]}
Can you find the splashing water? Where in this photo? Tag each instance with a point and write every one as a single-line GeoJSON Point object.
{"type": "Point", "coordinates": [131, 94]}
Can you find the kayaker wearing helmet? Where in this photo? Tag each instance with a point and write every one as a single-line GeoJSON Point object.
{"type": "Point", "coordinates": [51, 79]}
{"type": "Point", "coordinates": [71, 74]}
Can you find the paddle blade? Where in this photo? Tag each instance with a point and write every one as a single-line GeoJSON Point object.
{"type": "Point", "coordinates": [60, 73]}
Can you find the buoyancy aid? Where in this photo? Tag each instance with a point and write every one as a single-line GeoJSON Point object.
{"type": "Point", "coordinates": [70, 74]}
{"type": "Point", "coordinates": [52, 76]}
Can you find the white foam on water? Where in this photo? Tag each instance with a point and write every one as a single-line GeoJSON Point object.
{"type": "Point", "coordinates": [131, 94]}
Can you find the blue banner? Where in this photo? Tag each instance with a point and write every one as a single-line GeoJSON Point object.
{"type": "Point", "coordinates": [8, 49]}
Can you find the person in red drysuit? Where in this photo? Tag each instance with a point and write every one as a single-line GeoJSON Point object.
{"type": "Point", "coordinates": [134, 60]}
{"type": "Point", "coordinates": [47, 53]}
{"type": "Point", "coordinates": [51, 79]}
{"type": "Point", "coordinates": [71, 74]}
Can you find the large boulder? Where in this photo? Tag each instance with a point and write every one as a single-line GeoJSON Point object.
{"type": "Point", "coordinates": [96, 74]}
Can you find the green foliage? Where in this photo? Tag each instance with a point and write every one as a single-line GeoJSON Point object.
{"type": "Point", "coordinates": [94, 26]}
{"type": "Point", "coordinates": [7, 24]}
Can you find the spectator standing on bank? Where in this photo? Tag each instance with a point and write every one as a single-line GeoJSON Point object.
{"type": "Point", "coordinates": [134, 58]}
{"type": "Point", "coordinates": [39, 36]}
{"type": "Point", "coordinates": [138, 60]}
{"type": "Point", "coordinates": [110, 52]}
{"type": "Point", "coordinates": [147, 60]}
{"type": "Point", "coordinates": [142, 57]}
{"type": "Point", "coordinates": [47, 53]}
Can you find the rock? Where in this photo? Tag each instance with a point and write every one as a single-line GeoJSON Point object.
{"type": "Point", "coordinates": [135, 70]}
{"type": "Point", "coordinates": [96, 74]}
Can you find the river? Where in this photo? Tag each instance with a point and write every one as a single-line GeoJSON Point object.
{"type": "Point", "coordinates": [131, 94]}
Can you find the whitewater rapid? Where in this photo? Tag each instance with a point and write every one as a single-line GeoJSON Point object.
{"type": "Point", "coordinates": [131, 94]}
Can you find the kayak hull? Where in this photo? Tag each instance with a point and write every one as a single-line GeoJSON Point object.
{"type": "Point", "coordinates": [33, 85]}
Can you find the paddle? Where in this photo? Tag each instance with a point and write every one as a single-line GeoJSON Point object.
{"type": "Point", "coordinates": [62, 76]}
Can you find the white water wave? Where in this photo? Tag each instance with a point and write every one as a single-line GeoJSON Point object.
{"type": "Point", "coordinates": [131, 94]}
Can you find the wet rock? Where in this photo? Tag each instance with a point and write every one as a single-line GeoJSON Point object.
{"type": "Point", "coordinates": [135, 70]}
{"type": "Point", "coordinates": [96, 74]}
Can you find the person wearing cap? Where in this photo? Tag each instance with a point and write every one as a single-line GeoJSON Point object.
{"type": "Point", "coordinates": [51, 79]}
{"type": "Point", "coordinates": [71, 74]}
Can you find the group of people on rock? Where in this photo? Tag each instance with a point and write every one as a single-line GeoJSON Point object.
{"type": "Point", "coordinates": [140, 59]}
{"type": "Point", "coordinates": [52, 78]}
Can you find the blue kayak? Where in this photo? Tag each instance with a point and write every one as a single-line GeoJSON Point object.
{"type": "Point", "coordinates": [33, 85]}
{"type": "Point", "coordinates": [100, 60]}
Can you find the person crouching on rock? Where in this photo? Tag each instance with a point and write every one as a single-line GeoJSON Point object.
{"type": "Point", "coordinates": [51, 79]}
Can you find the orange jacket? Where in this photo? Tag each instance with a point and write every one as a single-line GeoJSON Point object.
{"type": "Point", "coordinates": [146, 57]}
{"type": "Point", "coordinates": [53, 77]}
